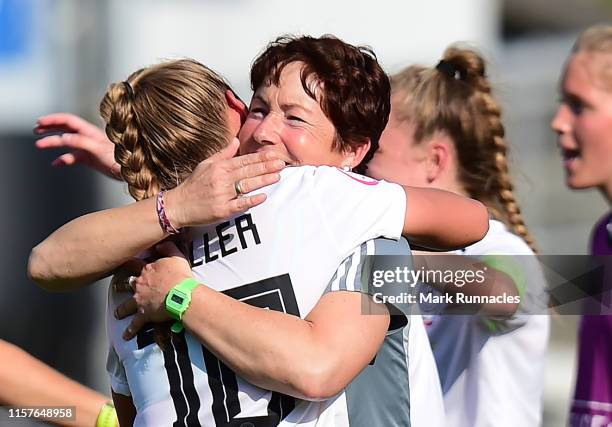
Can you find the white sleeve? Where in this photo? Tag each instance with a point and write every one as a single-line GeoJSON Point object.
{"type": "Point", "coordinates": [116, 372]}
{"type": "Point", "coordinates": [354, 274]}
{"type": "Point", "coordinates": [354, 208]}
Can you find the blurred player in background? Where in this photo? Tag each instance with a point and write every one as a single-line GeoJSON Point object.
{"type": "Point", "coordinates": [445, 131]}
{"type": "Point", "coordinates": [584, 126]}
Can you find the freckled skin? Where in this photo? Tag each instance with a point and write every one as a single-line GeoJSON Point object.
{"type": "Point", "coordinates": [285, 119]}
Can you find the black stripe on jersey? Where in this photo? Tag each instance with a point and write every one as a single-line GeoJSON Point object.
{"type": "Point", "coordinates": [230, 383]}
{"type": "Point", "coordinates": [217, 373]}
{"type": "Point", "coordinates": [180, 404]}
{"type": "Point", "coordinates": [184, 363]}
{"type": "Point", "coordinates": [280, 405]}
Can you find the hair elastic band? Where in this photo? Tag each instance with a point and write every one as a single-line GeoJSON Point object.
{"type": "Point", "coordinates": [450, 70]}
{"type": "Point", "coordinates": [129, 89]}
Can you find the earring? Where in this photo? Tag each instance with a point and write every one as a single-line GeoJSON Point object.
{"type": "Point", "coordinates": [346, 168]}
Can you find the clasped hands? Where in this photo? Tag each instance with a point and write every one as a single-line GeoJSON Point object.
{"type": "Point", "coordinates": [150, 283]}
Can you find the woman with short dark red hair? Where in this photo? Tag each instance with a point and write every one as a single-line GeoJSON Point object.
{"type": "Point", "coordinates": [318, 102]}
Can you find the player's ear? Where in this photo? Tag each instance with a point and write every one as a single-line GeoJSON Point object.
{"type": "Point", "coordinates": [236, 104]}
{"type": "Point", "coordinates": [354, 154]}
{"type": "Point", "coordinates": [439, 157]}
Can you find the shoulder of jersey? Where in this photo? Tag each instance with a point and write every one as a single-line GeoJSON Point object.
{"type": "Point", "coordinates": [362, 179]}
{"type": "Point", "coordinates": [322, 172]}
{"type": "Point", "coordinates": [499, 240]}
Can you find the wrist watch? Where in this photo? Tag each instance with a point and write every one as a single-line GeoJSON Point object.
{"type": "Point", "coordinates": [177, 301]}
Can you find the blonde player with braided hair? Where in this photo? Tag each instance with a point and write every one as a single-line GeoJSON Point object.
{"type": "Point", "coordinates": [179, 118]}
{"type": "Point", "coordinates": [157, 151]}
{"type": "Point", "coordinates": [445, 131]}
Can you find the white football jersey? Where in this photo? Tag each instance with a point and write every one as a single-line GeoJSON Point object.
{"type": "Point", "coordinates": [492, 371]}
{"type": "Point", "coordinates": [279, 255]}
{"type": "Point", "coordinates": [400, 387]}
{"type": "Point", "coordinates": [426, 400]}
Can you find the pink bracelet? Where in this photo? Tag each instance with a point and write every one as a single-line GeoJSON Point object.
{"type": "Point", "coordinates": [164, 222]}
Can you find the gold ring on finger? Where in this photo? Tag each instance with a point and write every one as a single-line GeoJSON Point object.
{"type": "Point", "coordinates": [238, 189]}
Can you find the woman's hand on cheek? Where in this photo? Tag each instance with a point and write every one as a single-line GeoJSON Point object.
{"type": "Point", "coordinates": [210, 193]}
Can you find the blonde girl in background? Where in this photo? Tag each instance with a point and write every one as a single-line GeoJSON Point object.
{"type": "Point", "coordinates": [446, 132]}
{"type": "Point", "coordinates": [584, 125]}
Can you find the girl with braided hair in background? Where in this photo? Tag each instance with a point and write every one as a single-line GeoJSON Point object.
{"type": "Point", "coordinates": [445, 131]}
{"type": "Point", "coordinates": [583, 123]}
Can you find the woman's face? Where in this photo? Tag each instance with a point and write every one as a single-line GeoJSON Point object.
{"type": "Point", "coordinates": [285, 119]}
{"type": "Point", "coordinates": [398, 158]}
{"type": "Point", "coordinates": [584, 122]}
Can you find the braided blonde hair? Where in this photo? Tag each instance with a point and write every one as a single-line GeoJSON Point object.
{"type": "Point", "coordinates": [164, 120]}
{"type": "Point", "coordinates": [455, 98]}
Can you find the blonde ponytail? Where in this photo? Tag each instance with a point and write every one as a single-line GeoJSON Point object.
{"type": "Point", "coordinates": [455, 98]}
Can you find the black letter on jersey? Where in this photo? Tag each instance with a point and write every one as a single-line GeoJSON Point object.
{"type": "Point", "coordinates": [249, 226]}
{"type": "Point", "coordinates": [224, 238]}
{"type": "Point", "coordinates": [193, 262]}
{"type": "Point", "coordinates": [207, 256]}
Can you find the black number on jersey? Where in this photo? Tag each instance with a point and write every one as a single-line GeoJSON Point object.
{"type": "Point", "coordinates": [275, 293]}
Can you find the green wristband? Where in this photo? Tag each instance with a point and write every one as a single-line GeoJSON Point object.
{"type": "Point", "coordinates": [507, 264]}
{"type": "Point", "coordinates": [178, 300]}
{"type": "Point", "coordinates": [107, 417]}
